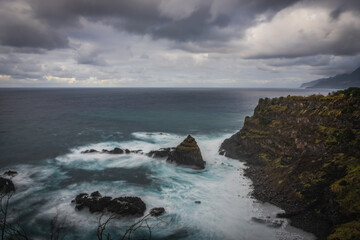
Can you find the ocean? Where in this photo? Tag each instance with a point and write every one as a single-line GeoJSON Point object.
{"type": "Point", "coordinates": [43, 131]}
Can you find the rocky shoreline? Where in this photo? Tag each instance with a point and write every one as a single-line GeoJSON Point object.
{"type": "Point", "coordinates": [302, 155]}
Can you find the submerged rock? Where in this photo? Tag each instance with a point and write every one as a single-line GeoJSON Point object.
{"type": "Point", "coordinates": [113, 151]}
{"type": "Point", "coordinates": [161, 153]}
{"type": "Point", "coordinates": [6, 185]}
{"type": "Point", "coordinates": [90, 151]}
{"type": "Point", "coordinates": [123, 206]}
{"type": "Point", "coordinates": [275, 223]}
{"type": "Point", "coordinates": [116, 151]}
{"type": "Point", "coordinates": [155, 212]}
{"type": "Point", "coordinates": [187, 153]}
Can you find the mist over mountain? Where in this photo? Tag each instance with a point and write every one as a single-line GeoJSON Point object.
{"type": "Point", "coordinates": [338, 82]}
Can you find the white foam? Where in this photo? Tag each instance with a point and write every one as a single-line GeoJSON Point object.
{"type": "Point", "coordinates": [226, 207]}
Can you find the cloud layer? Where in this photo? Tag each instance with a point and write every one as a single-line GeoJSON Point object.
{"type": "Point", "coordinates": [175, 43]}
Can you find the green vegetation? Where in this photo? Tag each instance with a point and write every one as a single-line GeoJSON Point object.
{"type": "Point", "coordinates": [310, 148]}
{"type": "Point", "coordinates": [346, 231]}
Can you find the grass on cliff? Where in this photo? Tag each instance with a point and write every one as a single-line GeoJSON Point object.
{"type": "Point", "coordinates": [323, 132]}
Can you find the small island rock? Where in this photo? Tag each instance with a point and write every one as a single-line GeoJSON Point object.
{"type": "Point", "coordinates": [123, 206]}
{"type": "Point", "coordinates": [187, 153]}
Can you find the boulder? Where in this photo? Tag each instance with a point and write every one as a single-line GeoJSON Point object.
{"type": "Point", "coordinates": [123, 206]}
{"type": "Point", "coordinates": [155, 212]}
{"type": "Point", "coordinates": [6, 185]}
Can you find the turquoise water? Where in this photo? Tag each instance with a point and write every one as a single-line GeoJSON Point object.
{"type": "Point", "coordinates": [43, 132]}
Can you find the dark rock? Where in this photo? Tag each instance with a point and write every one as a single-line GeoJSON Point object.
{"type": "Point", "coordinates": [197, 202]}
{"type": "Point", "coordinates": [161, 153]}
{"type": "Point", "coordinates": [6, 185]}
{"type": "Point", "coordinates": [11, 173]}
{"type": "Point", "coordinates": [275, 223]}
{"type": "Point", "coordinates": [90, 151]}
{"type": "Point", "coordinates": [123, 206]}
{"type": "Point", "coordinates": [186, 153]}
{"type": "Point", "coordinates": [116, 151]}
{"type": "Point", "coordinates": [95, 194]}
{"type": "Point", "coordinates": [155, 212]}
{"type": "Point", "coordinates": [136, 151]}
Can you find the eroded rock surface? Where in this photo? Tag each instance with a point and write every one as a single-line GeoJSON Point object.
{"type": "Point", "coordinates": [187, 153]}
{"type": "Point", "coordinates": [123, 206]}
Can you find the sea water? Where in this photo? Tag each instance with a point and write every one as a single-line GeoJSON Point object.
{"type": "Point", "coordinates": [44, 131]}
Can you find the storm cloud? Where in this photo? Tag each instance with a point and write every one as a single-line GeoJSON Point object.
{"type": "Point", "coordinates": [106, 41]}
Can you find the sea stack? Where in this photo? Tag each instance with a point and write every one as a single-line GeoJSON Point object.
{"type": "Point", "coordinates": [185, 154]}
{"type": "Point", "coordinates": [188, 153]}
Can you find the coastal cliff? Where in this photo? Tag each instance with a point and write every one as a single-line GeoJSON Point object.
{"type": "Point", "coordinates": [303, 155]}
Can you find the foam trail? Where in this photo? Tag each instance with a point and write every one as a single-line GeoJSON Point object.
{"type": "Point", "coordinates": [226, 208]}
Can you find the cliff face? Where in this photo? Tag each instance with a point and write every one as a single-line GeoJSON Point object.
{"type": "Point", "coordinates": [304, 156]}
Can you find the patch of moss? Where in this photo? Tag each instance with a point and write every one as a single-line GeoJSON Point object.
{"type": "Point", "coordinates": [346, 231]}
{"type": "Point", "coordinates": [264, 157]}
{"type": "Point", "coordinates": [347, 189]}
{"type": "Point", "coordinates": [310, 178]}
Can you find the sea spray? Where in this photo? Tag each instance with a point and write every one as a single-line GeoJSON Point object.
{"type": "Point", "coordinates": [226, 211]}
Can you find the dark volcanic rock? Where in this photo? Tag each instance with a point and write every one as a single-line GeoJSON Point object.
{"type": "Point", "coordinates": [90, 151]}
{"type": "Point", "coordinates": [275, 223]}
{"type": "Point", "coordinates": [116, 151]}
{"type": "Point", "coordinates": [155, 212]}
{"type": "Point", "coordinates": [161, 153]}
{"type": "Point", "coordinates": [186, 153]}
{"type": "Point", "coordinates": [11, 173]}
{"type": "Point", "coordinates": [123, 206]}
{"type": "Point", "coordinates": [6, 185]}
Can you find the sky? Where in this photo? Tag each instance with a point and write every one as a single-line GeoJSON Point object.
{"type": "Point", "coordinates": [176, 43]}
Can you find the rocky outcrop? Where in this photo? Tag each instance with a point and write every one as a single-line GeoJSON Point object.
{"type": "Point", "coordinates": [113, 151]}
{"type": "Point", "coordinates": [10, 173]}
{"type": "Point", "coordinates": [156, 212]}
{"type": "Point", "coordinates": [123, 206]}
{"type": "Point", "coordinates": [303, 155]}
{"type": "Point", "coordinates": [187, 153]}
{"type": "Point", "coordinates": [6, 186]}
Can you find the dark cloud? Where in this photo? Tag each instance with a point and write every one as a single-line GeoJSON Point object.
{"type": "Point", "coordinates": [90, 57]}
{"type": "Point", "coordinates": [22, 31]}
{"type": "Point", "coordinates": [174, 34]}
{"type": "Point", "coordinates": [48, 20]}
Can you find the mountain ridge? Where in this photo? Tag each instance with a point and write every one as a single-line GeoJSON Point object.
{"type": "Point", "coordinates": [340, 81]}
